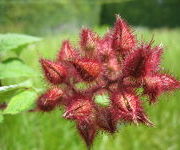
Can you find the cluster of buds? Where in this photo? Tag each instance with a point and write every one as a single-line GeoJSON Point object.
{"type": "Point", "coordinates": [116, 64]}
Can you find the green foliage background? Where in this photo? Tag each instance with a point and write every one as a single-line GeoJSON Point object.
{"type": "Point", "coordinates": [150, 13]}
{"type": "Point", "coordinates": [43, 16]}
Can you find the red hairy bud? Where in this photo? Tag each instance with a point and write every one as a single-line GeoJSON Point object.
{"type": "Point", "coordinates": [134, 64]}
{"type": "Point", "coordinates": [106, 119]}
{"type": "Point", "coordinates": [158, 84]}
{"type": "Point", "coordinates": [54, 72]}
{"type": "Point", "coordinates": [129, 107]}
{"type": "Point", "coordinates": [104, 48]}
{"type": "Point", "coordinates": [153, 60]}
{"type": "Point", "coordinates": [79, 109]}
{"type": "Point", "coordinates": [67, 52]}
{"type": "Point", "coordinates": [88, 132]}
{"type": "Point", "coordinates": [124, 40]}
{"type": "Point", "coordinates": [142, 61]}
{"type": "Point", "coordinates": [88, 40]}
{"type": "Point", "coordinates": [50, 99]}
{"type": "Point", "coordinates": [88, 69]}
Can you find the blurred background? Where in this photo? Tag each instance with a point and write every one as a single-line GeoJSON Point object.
{"type": "Point", "coordinates": [55, 20]}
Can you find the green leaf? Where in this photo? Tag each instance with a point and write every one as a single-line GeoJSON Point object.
{"type": "Point", "coordinates": [13, 41]}
{"type": "Point", "coordinates": [21, 102]}
{"type": "Point", "coordinates": [15, 69]}
{"type": "Point", "coordinates": [7, 95]}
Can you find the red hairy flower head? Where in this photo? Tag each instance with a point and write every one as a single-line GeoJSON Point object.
{"type": "Point", "coordinates": [116, 65]}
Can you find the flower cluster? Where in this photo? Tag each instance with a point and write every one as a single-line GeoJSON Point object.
{"type": "Point", "coordinates": [116, 64]}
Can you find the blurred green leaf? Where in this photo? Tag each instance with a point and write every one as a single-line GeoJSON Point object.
{"type": "Point", "coordinates": [15, 69]}
{"type": "Point", "coordinates": [12, 41]}
{"type": "Point", "coordinates": [21, 102]}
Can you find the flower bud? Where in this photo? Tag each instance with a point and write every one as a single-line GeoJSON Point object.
{"type": "Point", "coordinates": [129, 107]}
{"type": "Point", "coordinates": [133, 64]}
{"type": "Point", "coordinates": [104, 48]}
{"type": "Point", "coordinates": [80, 108]}
{"type": "Point", "coordinates": [152, 63]}
{"type": "Point", "coordinates": [87, 130]}
{"type": "Point", "coordinates": [124, 40]}
{"type": "Point", "coordinates": [88, 69]}
{"type": "Point", "coordinates": [67, 52]}
{"type": "Point", "coordinates": [105, 119]}
{"type": "Point", "coordinates": [50, 99]}
{"type": "Point", "coordinates": [54, 72]}
{"type": "Point", "coordinates": [159, 83]}
{"type": "Point", "coordinates": [88, 42]}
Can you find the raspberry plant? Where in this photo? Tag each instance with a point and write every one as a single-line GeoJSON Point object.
{"type": "Point", "coordinates": [117, 65]}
